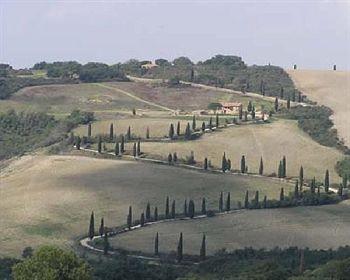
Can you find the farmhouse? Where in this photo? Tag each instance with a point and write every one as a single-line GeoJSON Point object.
{"type": "Point", "coordinates": [231, 107]}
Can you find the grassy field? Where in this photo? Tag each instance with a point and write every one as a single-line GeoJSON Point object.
{"type": "Point", "coordinates": [329, 88]}
{"type": "Point", "coordinates": [319, 227]}
{"type": "Point", "coordinates": [271, 141]}
{"type": "Point", "coordinates": [48, 199]}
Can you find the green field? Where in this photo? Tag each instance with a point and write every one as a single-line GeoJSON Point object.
{"type": "Point", "coordinates": [48, 199]}
{"type": "Point", "coordinates": [318, 227]}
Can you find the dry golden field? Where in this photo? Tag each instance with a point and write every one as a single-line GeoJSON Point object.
{"type": "Point", "coordinates": [48, 199]}
{"type": "Point", "coordinates": [318, 227]}
{"type": "Point", "coordinates": [329, 88]}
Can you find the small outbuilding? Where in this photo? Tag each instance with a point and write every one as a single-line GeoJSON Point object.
{"type": "Point", "coordinates": [231, 108]}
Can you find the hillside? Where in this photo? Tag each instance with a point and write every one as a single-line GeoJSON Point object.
{"type": "Point", "coordinates": [329, 88]}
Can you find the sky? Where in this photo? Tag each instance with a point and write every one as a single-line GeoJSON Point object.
{"type": "Point", "coordinates": [312, 34]}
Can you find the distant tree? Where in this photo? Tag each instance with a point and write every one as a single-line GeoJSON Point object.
{"type": "Point", "coordinates": [116, 149]}
{"type": "Point", "coordinates": [205, 164]}
{"type": "Point", "coordinates": [282, 92]}
{"type": "Point", "coordinates": [240, 114]}
{"type": "Point", "coordinates": [246, 200]}
{"type": "Point", "coordinates": [334, 67]}
{"type": "Point", "coordinates": [156, 213]}
{"type": "Point", "coordinates": [300, 97]}
{"type": "Point", "coordinates": [221, 202]}
{"type": "Point", "coordinates": [173, 210]}
{"type": "Point", "coordinates": [105, 244]}
{"type": "Point", "coordinates": [256, 199]}
{"type": "Point", "coordinates": [180, 249]}
{"type": "Point", "coordinates": [188, 132]}
{"type": "Point", "coordinates": [293, 95]}
{"type": "Point", "coordinates": [280, 170]}
{"type": "Point", "coordinates": [296, 189]}
{"type": "Point", "coordinates": [276, 104]}
{"type": "Point", "coordinates": [99, 145]}
{"type": "Point", "coordinates": [217, 123]}
{"type": "Point", "coordinates": [191, 209]}
{"type": "Point", "coordinates": [210, 123]}
{"type": "Point", "coordinates": [185, 209]}
{"type": "Point", "coordinates": [147, 133]}
{"type": "Point", "coordinates": [170, 158]}
{"type": "Point", "coordinates": [243, 164]}
{"type": "Point", "coordinates": [265, 202]}
{"type": "Point", "coordinates": [245, 116]}
{"type": "Point", "coordinates": [261, 167]}
{"type": "Point", "coordinates": [204, 208]}
{"type": "Point", "coordinates": [344, 180]}
{"type": "Point", "coordinates": [223, 163]}
{"type": "Point", "coordinates": [133, 111]}
{"type": "Point", "coordinates": [148, 212]}
{"type": "Point", "coordinates": [194, 123]}
{"type": "Point", "coordinates": [175, 157]}
{"type": "Point", "coordinates": [167, 208]}
{"type": "Point", "coordinates": [250, 106]}
{"type": "Point", "coordinates": [156, 244]}
{"type": "Point", "coordinates": [326, 181]}
{"type": "Point", "coordinates": [134, 150]}
{"type": "Point", "coordinates": [262, 87]}
{"type": "Point", "coordinates": [171, 131]}
{"type": "Point", "coordinates": [202, 252]}
{"type": "Point", "coordinates": [228, 202]}
{"type": "Point", "coordinates": [102, 228]}
{"type": "Point", "coordinates": [192, 75]}
{"type": "Point", "coordinates": [122, 145]}
{"type": "Point", "coordinates": [282, 194]}
{"type": "Point", "coordinates": [142, 219]}
{"type": "Point", "coordinates": [111, 132]}
{"type": "Point", "coordinates": [178, 129]}
{"type": "Point", "coordinates": [78, 142]}
{"type": "Point", "coordinates": [288, 103]}
{"type": "Point", "coordinates": [301, 178]}
{"type": "Point", "coordinates": [203, 126]}
{"type": "Point", "coordinates": [92, 226]}
{"type": "Point", "coordinates": [284, 167]}
{"type": "Point", "coordinates": [295, 67]}
{"type": "Point", "coordinates": [313, 185]}
{"type": "Point", "coordinates": [228, 164]}
{"type": "Point", "coordinates": [301, 262]}
{"type": "Point", "coordinates": [128, 133]}
{"type": "Point", "coordinates": [89, 130]}
{"type": "Point", "coordinates": [129, 218]}
{"type": "Point", "coordinates": [253, 113]}
{"type": "Point", "coordinates": [138, 149]}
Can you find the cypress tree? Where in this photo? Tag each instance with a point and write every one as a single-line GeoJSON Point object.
{"type": "Point", "coordinates": [92, 226]}
{"type": "Point", "coordinates": [202, 252]}
{"type": "Point", "coordinates": [122, 145]}
{"type": "Point", "coordinates": [78, 142]}
{"type": "Point", "coordinates": [194, 123]}
{"type": "Point", "coordinates": [171, 131]}
{"type": "Point", "coordinates": [134, 150]}
{"type": "Point", "coordinates": [192, 75]}
{"type": "Point", "coordinates": [223, 163]}
{"type": "Point", "coordinates": [228, 202]}
{"type": "Point", "coordinates": [133, 111]}
{"type": "Point", "coordinates": [240, 116]}
{"type": "Point", "coordinates": [175, 157]}
{"type": "Point", "coordinates": [265, 202]}
{"type": "Point", "coordinates": [210, 123]}
{"type": "Point", "coordinates": [301, 178]}
{"type": "Point", "coordinates": [156, 213]}
{"type": "Point", "coordinates": [345, 180]}
{"type": "Point", "coordinates": [217, 120]}
{"type": "Point", "coordinates": [245, 116]}
{"type": "Point", "coordinates": [280, 170]}
{"type": "Point", "coordinates": [105, 244]}
{"type": "Point", "coordinates": [129, 218]}
{"type": "Point", "coordinates": [173, 211]}
{"type": "Point", "coordinates": [142, 219]}
{"type": "Point", "coordinates": [111, 132]}
{"type": "Point", "coordinates": [191, 209]}
{"type": "Point", "coordinates": [276, 104]}
{"type": "Point", "coordinates": [261, 167]}
{"type": "Point", "coordinates": [102, 228]}
{"type": "Point", "coordinates": [203, 126]}
{"type": "Point", "coordinates": [167, 208]}
{"type": "Point", "coordinates": [138, 150]}
{"type": "Point", "coordinates": [156, 244]}
{"type": "Point", "coordinates": [288, 103]}
{"type": "Point", "coordinates": [147, 133]}
{"type": "Point", "coordinates": [89, 130]}
{"type": "Point", "coordinates": [282, 194]}
{"type": "Point", "coordinates": [296, 190]}
{"type": "Point", "coordinates": [253, 113]}
{"type": "Point", "coordinates": [116, 149]}
{"type": "Point", "coordinates": [243, 169]}
{"type": "Point", "coordinates": [99, 145]}
{"type": "Point", "coordinates": [246, 200]}
{"type": "Point", "coordinates": [250, 106]}
{"type": "Point", "coordinates": [204, 208]}
{"type": "Point", "coordinates": [148, 212]}
{"type": "Point", "coordinates": [302, 262]}
{"type": "Point", "coordinates": [284, 167]}
{"type": "Point", "coordinates": [205, 164]}
{"type": "Point", "coordinates": [300, 97]}
{"type": "Point", "coordinates": [221, 202]}
{"type": "Point", "coordinates": [188, 132]}
{"type": "Point", "coordinates": [178, 130]}
{"type": "Point", "coordinates": [185, 209]}
{"type": "Point", "coordinates": [282, 93]}
{"type": "Point", "coordinates": [128, 134]}
{"type": "Point", "coordinates": [228, 167]}
{"type": "Point", "coordinates": [326, 181]}
{"type": "Point", "coordinates": [256, 199]}
{"type": "Point", "coordinates": [170, 158]}
{"type": "Point", "coordinates": [180, 249]}
{"type": "Point", "coordinates": [313, 185]}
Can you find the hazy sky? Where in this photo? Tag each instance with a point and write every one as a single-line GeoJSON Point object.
{"type": "Point", "coordinates": [312, 34]}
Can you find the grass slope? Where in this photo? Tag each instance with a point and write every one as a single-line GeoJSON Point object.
{"type": "Point", "coordinates": [329, 88]}
{"type": "Point", "coordinates": [318, 227]}
{"type": "Point", "coordinates": [48, 199]}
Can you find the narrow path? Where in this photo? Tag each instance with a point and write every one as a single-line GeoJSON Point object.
{"type": "Point", "coordinates": [131, 95]}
